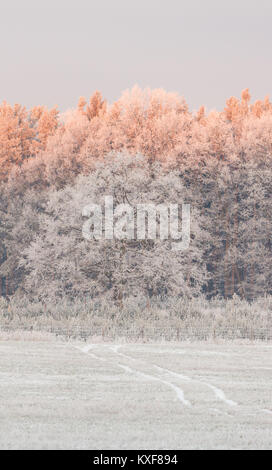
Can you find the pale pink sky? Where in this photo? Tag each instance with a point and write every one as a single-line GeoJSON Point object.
{"type": "Point", "coordinates": [53, 51]}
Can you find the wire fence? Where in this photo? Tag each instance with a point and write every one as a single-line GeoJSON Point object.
{"type": "Point", "coordinates": [150, 333]}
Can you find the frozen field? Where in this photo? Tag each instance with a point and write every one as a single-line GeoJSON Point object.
{"type": "Point", "coordinates": [60, 395]}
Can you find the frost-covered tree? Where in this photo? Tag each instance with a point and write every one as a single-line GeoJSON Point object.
{"type": "Point", "coordinates": [60, 261]}
{"type": "Point", "coordinates": [23, 133]}
{"type": "Point", "coordinates": [222, 159]}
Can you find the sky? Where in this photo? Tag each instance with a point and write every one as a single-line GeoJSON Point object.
{"type": "Point", "coordinates": [54, 51]}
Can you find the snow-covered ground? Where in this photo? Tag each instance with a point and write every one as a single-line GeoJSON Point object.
{"type": "Point", "coordinates": [67, 395]}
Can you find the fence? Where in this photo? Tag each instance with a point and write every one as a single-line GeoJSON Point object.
{"type": "Point", "coordinates": [150, 333]}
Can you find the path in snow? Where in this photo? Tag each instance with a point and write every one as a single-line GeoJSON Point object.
{"type": "Point", "coordinates": [179, 392]}
{"type": "Point", "coordinates": [217, 391]}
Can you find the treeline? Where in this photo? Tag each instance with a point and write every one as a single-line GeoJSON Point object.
{"type": "Point", "coordinates": [145, 147]}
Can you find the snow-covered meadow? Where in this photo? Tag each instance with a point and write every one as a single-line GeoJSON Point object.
{"type": "Point", "coordinates": [75, 395]}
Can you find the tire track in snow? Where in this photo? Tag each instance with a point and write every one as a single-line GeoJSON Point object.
{"type": "Point", "coordinates": [116, 348]}
{"type": "Point", "coordinates": [179, 392]}
{"type": "Point", "coordinates": [86, 350]}
{"type": "Point", "coordinates": [217, 391]}
{"type": "Point", "coordinates": [221, 395]}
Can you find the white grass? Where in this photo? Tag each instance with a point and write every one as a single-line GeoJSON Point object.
{"type": "Point", "coordinates": [170, 319]}
{"type": "Point", "coordinates": [218, 392]}
{"type": "Point", "coordinates": [71, 395]}
{"type": "Point", "coordinates": [178, 391]}
{"type": "Point", "coordinates": [22, 335]}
